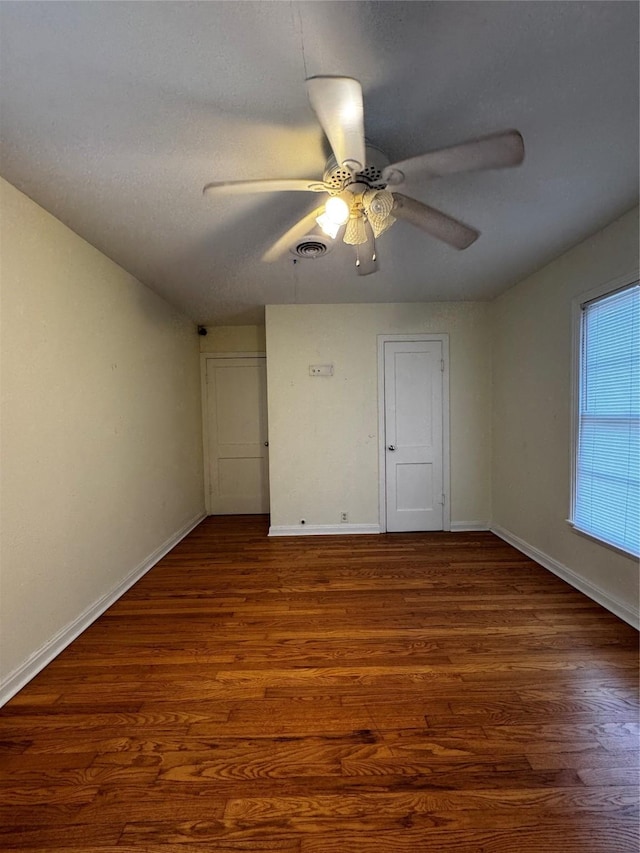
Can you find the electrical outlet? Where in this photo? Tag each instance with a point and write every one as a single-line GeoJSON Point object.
{"type": "Point", "coordinates": [344, 517]}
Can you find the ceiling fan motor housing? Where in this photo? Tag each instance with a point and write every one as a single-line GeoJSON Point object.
{"type": "Point", "coordinates": [338, 178]}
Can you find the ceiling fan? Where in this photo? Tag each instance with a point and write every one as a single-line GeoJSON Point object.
{"type": "Point", "coordinates": [361, 183]}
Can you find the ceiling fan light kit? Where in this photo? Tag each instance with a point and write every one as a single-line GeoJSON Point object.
{"type": "Point", "coordinates": [355, 234]}
{"type": "Point", "coordinates": [328, 225]}
{"type": "Point", "coordinates": [359, 181]}
{"type": "Point", "coordinates": [336, 213]}
{"type": "Point", "coordinates": [337, 210]}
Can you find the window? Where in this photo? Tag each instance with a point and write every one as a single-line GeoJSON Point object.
{"type": "Point", "coordinates": [607, 450]}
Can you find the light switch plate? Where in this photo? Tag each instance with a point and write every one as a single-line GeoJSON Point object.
{"type": "Point", "coordinates": [320, 370]}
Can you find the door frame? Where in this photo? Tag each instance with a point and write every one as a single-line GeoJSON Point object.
{"type": "Point", "coordinates": [204, 356]}
{"type": "Point", "coordinates": [382, 465]}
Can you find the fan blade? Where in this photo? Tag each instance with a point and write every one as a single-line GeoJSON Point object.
{"type": "Point", "coordinates": [498, 151]}
{"type": "Point", "coordinates": [276, 186]}
{"type": "Point", "coordinates": [434, 222]}
{"type": "Point", "coordinates": [366, 257]}
{"type": "Point", "coordinates": [302, 227]}
{"type": "Point", "coordinates": [337, 102]}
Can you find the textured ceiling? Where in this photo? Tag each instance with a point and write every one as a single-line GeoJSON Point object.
{"type": "Point", "coordinates": [115, 114]}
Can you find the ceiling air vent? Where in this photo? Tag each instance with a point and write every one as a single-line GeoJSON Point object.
{"type": "Point", "coordinates": [311, 246]}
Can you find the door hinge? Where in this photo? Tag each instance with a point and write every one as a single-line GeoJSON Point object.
{"type": "Point", "coordinates": [442, 364]}
{"type": "Point", "coordinates": [442, 499]}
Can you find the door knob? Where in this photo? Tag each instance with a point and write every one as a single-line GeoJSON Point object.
{"type": "Point", "coordinates": [392, 447]}
{"type": "Point", "coordinates": [266, 444]}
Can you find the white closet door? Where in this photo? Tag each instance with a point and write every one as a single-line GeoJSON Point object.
{"type": "Point", "coordinates": [413, 384]}
{"type": "Point", "coordinates": [237, 435]}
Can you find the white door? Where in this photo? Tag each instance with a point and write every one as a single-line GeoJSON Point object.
{"type": "Point", "coordinates": [236, 414]}
{"type": "Point", "coordinates": [413, 410]}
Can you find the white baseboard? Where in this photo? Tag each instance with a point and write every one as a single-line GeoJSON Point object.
{"type": "Point", "coordinates": [17, 679]}
{"type": "Point", "coordinates": [349, 529]}
{"type": "Point", "coordinates": [322, 529]}
{"type": "Point", "coordinates": [619, 608]}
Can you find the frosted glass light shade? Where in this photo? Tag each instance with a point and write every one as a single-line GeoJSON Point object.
{"type": "Point", "coordinates": [355, 232]}
{"type": "Point", "coordinates": [328, 225]}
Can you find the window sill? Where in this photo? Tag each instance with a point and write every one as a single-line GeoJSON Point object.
{"type": "Point", "coordinates": [603, 542]}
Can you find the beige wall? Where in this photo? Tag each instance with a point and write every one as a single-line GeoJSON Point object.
{"type": "Point", "coordinates": [233, 339]}
{"type": "Point", "coordinates": [323, 432]}
{"type": "Point", "coordinates": [101, 426]}
{"type": "Point", "coordinates": [101, 443]}
{"type": "Point", "coordinates": [532, 411]}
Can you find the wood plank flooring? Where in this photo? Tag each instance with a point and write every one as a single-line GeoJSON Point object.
{"type": "Point", "coordinates": [409, 693]}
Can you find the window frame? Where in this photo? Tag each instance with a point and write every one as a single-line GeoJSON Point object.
{"type": "Point", "coordinates": [607, 289]}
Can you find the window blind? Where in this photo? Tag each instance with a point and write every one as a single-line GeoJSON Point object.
{"type": "Point", "coordinates": [607, 503]}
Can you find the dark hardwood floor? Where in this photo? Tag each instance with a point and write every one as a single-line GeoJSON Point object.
{"type": "Point", "coordinates": [365, 694]}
